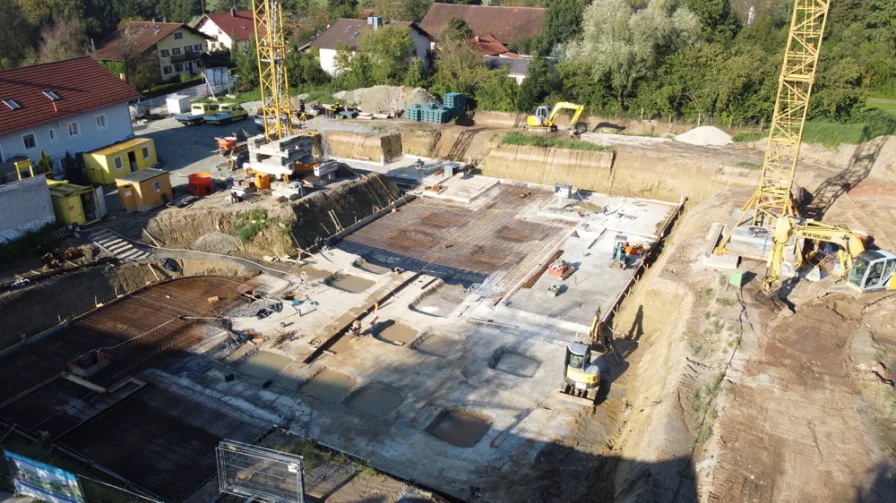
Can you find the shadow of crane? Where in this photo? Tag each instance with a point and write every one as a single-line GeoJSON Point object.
{"type": "Point", "coordinates": [858, 169]}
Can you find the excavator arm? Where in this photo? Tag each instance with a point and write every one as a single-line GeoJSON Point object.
{"type": "Point", "coordinates": [577, 114]}
{"type": "Point", "coordinates": [792, 227]}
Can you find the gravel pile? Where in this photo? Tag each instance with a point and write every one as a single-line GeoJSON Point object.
{"type": "Point", "coordinates": [217, 242]}
{"type": "Point", "coordinates": [385, 98]}
{"type": "Point", "coordinates": [707, 136]}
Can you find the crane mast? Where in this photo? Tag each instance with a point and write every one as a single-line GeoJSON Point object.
{"type": "Point", "coordinates": [272, 75]}
{"type": "Point", "coordinates": [772, 199]}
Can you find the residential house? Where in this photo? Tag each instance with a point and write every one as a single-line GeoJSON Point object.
{"type": "Point", "coordinates": [487, 45]}
{"type": "Point", "coordinates": [348, 32]}
{"type": "Point", "coordinates": [227, 28]}
{"type": "Point", "coordinates": [74, 105]}
{"type": "Point", "coordinates": [503, 24]}
{"type": "Point", "coordinates": [517, 68]}
{"type": "Point", "coordinates": [178, 47]}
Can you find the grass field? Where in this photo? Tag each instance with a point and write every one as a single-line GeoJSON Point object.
{"type": "Point", "coordinates": [886, 104]}
{"type": "Point", "coordinates": [515, 138]}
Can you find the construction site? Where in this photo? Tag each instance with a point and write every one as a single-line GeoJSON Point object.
{"type": "Point", "coordinates": [432, 314]}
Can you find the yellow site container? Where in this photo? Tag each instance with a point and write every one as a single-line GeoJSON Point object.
{"type": "Point", "coordinates": [144, 190]}
{"type": "Point", "coordinates": [74, 204]}
{"type": "Point", "coordinates": [107, 164]}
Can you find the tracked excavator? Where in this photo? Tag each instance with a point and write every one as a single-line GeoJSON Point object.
{"type": "Point", "coordinates": [581, 377]}
{"type": "Point", "coordinates": [545, 118]}
{"type": "Point", "coordinates": [865, 270]}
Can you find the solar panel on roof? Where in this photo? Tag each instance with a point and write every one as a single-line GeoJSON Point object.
{"type": "Point", "coordinates": [12, 104]}
{"type": "Point", "coordinates": [53, 96]}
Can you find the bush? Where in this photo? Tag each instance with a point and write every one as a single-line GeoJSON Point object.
{"type": "Point", "coordinates": [30, 244]}
{"type": "Point", "coordinates": [515, 138]}
{"type": "Point", "coordinates": [744, 137]}
{"type": "Point", "coordinates": [163, 89]}
{"type": "Point", "coordinates": [248, 225]}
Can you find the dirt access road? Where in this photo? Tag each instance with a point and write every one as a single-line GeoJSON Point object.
{"type": "Point", "coordinates": [792, 427]}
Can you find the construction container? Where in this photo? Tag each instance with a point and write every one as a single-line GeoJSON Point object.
{"type": "Point", "coordinates": [76, 204]}
{"type": "Point", "coordinates": [178, 103]}
{"type": "Point", "coordinates": [144, 190]}
{"type": "Point", "coordinates": [200, 184]}
{"type": "Point", "coordinates": [262, 181]}
{"type": "Point", "coordinates": [107, 164]}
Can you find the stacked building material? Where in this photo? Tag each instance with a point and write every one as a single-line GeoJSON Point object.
{"type": "Point", "coordinates": [279, 157]}
{"type": "Point", "coordinates": [455, 105]}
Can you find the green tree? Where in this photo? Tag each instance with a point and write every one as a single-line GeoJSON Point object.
{"type": "Point", "coordinates": [389, 50]}
{"type": "Point", "coordinates": [497, 92]}
{"type": "Point", "coordinates": [563, 21]}
{"type": "Point", "coordinates": [415, 76]}
{"type": "Point", "coordinates": [17, 37]}
{"type": "Point", "coordinates": [63, 40]}
{"type": "Point", "coordinates": [538, 85]}
{"type": "Point", "coordinates": [455, 29]}
{"type": "Point", "coordinates": [45, 164]}
{"type": "Point", "coordinates": [354, 69]}
{"type": "Point", "coordinates": [244, 56]}
{"type": "Point", "coordinates": [342, 9]}
{"type": "Point", "coordinates": [457, 69]}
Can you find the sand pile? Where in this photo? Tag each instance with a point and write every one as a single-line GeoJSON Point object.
{"type": "Point", "coordinates": [385, 98]}
{"type": "Point", "coordinates": [705, 136]}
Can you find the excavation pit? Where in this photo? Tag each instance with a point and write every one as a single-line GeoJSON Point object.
{"type": "Point", "coordinates": [375, 400]}
{"type": "Point", "coordinates": [513, 363]}
{"type": "Point", "coordinates": [264, 365]}
{"type": "Point", "coordinates": [394, 333]}
{"type": "Point", "coordinates": [442, 302]}
{"type": "Point", "coordinates": [438, 345]}
{"type": "Point", "coordinates": [459, 427]}
{"type": "Point", "coordinates": [329, 386]}
{"type": "Point", "coordinates": [349, 283]}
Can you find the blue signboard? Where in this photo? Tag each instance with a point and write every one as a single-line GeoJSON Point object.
{"type": "Point", "coordinates": [43, 482]}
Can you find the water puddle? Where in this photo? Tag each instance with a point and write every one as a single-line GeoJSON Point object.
{"type": "Point", "coordinates": [514, 363]}
{"type": "Point", "coordinates": [329, 386]}
{"type": "Point", "coordinates": [459, 427]}
{"type": "Point", "coordinates": [263, 365]}
{"type": "Point", "coordinates": [349, 283]}
{"type": "Point", "coordinates": [396, 333]}
{"type": "Point", "coordinates": [375, 400]}
{"type": "Point", "coordinates": [437, 345]}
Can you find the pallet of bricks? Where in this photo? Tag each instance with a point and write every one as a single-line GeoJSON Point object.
{"type": "Point", "coordinates": [455, 104]}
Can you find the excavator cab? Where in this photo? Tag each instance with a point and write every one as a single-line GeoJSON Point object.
{"type": "Point", "coordinates": [582, 376]}
{"type": "Point", "coordinates": [541, 116]}
{"type": "Point", "coordinates": [872, 271]}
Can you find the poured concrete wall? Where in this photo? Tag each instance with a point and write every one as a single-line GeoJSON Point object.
{"type": "Point", "coordinates": [627, 172]}
{"type": "Point", "coordinates": [25, 206]}
{"type": "Point", "coordinates": [375, 148]}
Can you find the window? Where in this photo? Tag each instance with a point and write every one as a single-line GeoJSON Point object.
{"type": "Point", "coordinates": [52, 133]}
{"type": "Point", "coordinates": [197, 47]}
{"type": "Point", "coordinates": [73, 130]}
{"type": "Point", "coordinates": [118, 163]}
{"type": "Point", "coordinates": [188, 49]}
{"type": "Point", "coordinates": [12, 104]}
{"type": "Point", "coordinates": [164, 53]}
{"type": "Point", "coordinates": [101, 122]}
{"type": "Point", "coordinates": [157, 186]}
{"type": "Point", "coordinates": [166, 70]}
{"type": "Point", "coordinates": [178, 67]}
{"type": "Point", "coordinates": [53, 96]}
{"type": "Point", "coordinates": [178, 35]}
{"type": "Point", "coordinates": [29, 141]}
{"type": "Point", "coordinates": [146, 152]}
{"type": "Point", "coordinates": [175, 51]}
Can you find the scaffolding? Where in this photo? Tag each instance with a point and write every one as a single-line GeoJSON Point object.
{"type": "Point", "coordinates": [773, 198]}
{"type": "Point", "coordinates": [272, 75]}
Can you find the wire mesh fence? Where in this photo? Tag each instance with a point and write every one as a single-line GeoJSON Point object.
{"type": "Point", "coordinates": [256, 472]}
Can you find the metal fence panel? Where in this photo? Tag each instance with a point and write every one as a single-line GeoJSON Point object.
{"type": "Point", "coordinates": [257, 472]}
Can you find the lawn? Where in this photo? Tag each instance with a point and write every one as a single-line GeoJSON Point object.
{"type": "Point", "coordinates": [515, 138]}
{"type": "Point", "coordinates": [885, 104]}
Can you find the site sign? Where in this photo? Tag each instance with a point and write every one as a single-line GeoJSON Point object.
{"type": "Point", "coordinates": [43, 482]}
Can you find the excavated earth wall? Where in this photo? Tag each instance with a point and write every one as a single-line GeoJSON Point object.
{"type": "Point", "coordinates": [595, 123]}
{"type": "Point", "coordinates": [364, 147]}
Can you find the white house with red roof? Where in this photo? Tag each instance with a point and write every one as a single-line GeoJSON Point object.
{"type": "Point", "coordinates": [227, 28]}
{"type": "Point", "coordinates": [74, 105]}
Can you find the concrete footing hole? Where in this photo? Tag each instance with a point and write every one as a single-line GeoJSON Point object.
{"type": "Point", "coordinates": [328, 386]}
{"type": "Point", "coordinates": [393, 332]}
{"type": "Point", "coordinates": [437, 345]}
{"type": "Point", "coordinates": [513, 363]}
{"type": "Point", "coordinates": [459, 427]}
{"type": "Point", "coordinates": [377, 400]}
{"type": "Point", "coordinates": [349, 283]}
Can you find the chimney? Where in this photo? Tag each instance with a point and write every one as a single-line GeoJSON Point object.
{"type": "Point", "coordinates": [377, 22]}
{"type": "Point", "coordinates": [476, 38]}
{"type": "Point", "coordinates": [92, 45]}
{"type": "Point", "coordinates": [233, 12]}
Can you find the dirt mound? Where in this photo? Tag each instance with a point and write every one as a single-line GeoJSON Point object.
{"type": "Point", "coordinates": [217, 242]}
{"type": "Point", "coordinates": [707, 136]}
{"type": "Point", "coordinates": [386, 98]}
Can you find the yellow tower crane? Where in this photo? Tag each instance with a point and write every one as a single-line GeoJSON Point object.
{"type": "Point", "coordinates": [773, 200]}
{"type": "Point", "coordinates": [272, 76]}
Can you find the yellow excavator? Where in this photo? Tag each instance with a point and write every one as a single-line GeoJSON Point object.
{"type": "Point", "coordinates": [581, 376]}
{"type": "Point", "coordinates": [545, 118]}
{"type": "Point", "coordinates": [865, 271]}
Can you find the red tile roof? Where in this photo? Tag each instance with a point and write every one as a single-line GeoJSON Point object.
{"type": "Point", "coordinates": [238, 25]}
{"type": "Point", "coordinates": [348, 32]}
{"type": "Point", "coordinates": [504, 23]}
{"type": "Point", "coordinates": [487, 45]}
{"type": "Point", "coordinates": [142, 35]}
{"type": "Point", "coordinates": [81, 83]}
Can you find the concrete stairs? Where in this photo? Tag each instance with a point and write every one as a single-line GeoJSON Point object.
{"type": "Point", "coordinates": [121, 248]}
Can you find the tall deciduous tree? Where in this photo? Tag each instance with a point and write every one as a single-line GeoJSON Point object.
{"type": "Point", "coordinates": [63, 40]}
{"type": "Point", "coordinates": [455, 30]}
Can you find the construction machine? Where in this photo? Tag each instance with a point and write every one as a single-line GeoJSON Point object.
{"type": "Point", "coordinates": [865, 271]}
{"type": "Point", "coordinates": [545, 118]}
{"type": "Point", "coordinates": [581, 377]}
